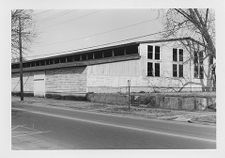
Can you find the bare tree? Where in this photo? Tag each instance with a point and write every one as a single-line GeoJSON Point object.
{"type": "Point", "coordinates": [21, 35]}
{"type": "Point", "coordinates": [27, 31]}
{"type": "Point", "coordinates": [199, 24]}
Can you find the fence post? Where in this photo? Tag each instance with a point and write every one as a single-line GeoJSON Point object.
{"type": "Point", "coordinates": [129, 84]}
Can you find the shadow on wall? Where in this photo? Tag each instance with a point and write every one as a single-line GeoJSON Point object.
{"type": "Point", "coordinates": [64, 71]}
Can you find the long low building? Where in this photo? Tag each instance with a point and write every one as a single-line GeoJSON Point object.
{"type": "Point", "coordinates": [150, 66]}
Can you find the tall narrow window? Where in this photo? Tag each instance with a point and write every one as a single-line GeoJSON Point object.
{"type": "Point", "coordinates": [196, 74]}
{"type": "Point", "coordinates": [157, 69]}
{"type": "Point", "coordinates": [157, 52]}
{"type": "Point", "coordinates": [195, 57]}
{"type": "Point", "coordinates": [201, 57]}
{"type": "Point", "coordinates": [119, 51]}
{"type": "Point", "coordinates": [150, 52]}
{"type": "Point", "coordinates": [174, 54]}
{"type": "Point", "coordinates": [150, 69]}
{"type": "Point", "coordinates": [198, 65]}
{"type": "Point", "coordinates": [180, 54]}
{"type": "Point", "coordinates": [76, 58]}
{"type": "Point", "coordinates": [211, 60]}
{"type": "Point", "coordinates": [201, 69]}
{"type": "Point", "coordinates": [83, 57]}
{"type": "Point", "coordinates": [90, 55]}
{"type": "Point", "coordinates": [180, 70]}
{"type": "Point", "coordinates": [177, 62]}
{"type": "Point", "coordinates": [174, 70]}
{"type": "Point", "coordinates": [201, 72]}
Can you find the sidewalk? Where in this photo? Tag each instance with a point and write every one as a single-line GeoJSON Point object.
{"type": "Point", "coordinates": [200, 117]}
{"type": "Point", "coordinates": [25, 138]}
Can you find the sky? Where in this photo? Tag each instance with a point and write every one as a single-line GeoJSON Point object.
{"type": "Point", "coordinates": [60, 31]}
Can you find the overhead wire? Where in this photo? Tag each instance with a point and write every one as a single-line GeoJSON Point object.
{"type": "Point", "coordinates": [101, 33]}
{"type": "Point", "coordinates": [86, 48]}
{"type": "Point", "coordinates": [52, 17]}
{"type": "Point", "coordinates": [69, 20]}
{"type": "Point", "coordinates": [41, 12]}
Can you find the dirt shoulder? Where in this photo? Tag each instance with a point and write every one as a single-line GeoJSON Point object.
{"type": "Point", "coordinates": [199, 117]}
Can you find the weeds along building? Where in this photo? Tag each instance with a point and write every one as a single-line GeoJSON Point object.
{"type": "Point", "coordinates": [151, 66]}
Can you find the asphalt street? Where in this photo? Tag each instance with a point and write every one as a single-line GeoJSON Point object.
{"type": "Point", "coordinates": [76, 129]}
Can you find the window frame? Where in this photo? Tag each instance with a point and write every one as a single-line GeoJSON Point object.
{"type": "Point", "coordinates": [181, 51]}
{"type": "Point", "coordinates": [157, 73]}
{"type": "Point", "coordinates": [174, 70]}
{"type": "Point", "coordinates": [181, 74]}
{"type": "Point", "coordinates": [174, 54]}
{"type": "Point", "coordinates": [157, 53]}
{"type": "Point", "coordinates": [198, 65]}
{"type": "Point", "coordinates": [177, 63]}
{"type": "Point", "coordinates": [150, 53]}
{"type": "Point", "coordinates": [150, 71]}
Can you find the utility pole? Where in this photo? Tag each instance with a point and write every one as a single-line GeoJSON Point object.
{"type": "Point", "coordinates": [129, 84]}
{"type": "Point", "coordinates": [21, 61]}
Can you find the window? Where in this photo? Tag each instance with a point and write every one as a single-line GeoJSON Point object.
{"type": "Point", "coordinates": [37, 63]}
{"type": "Point", "coordinates": [132, 49]}
{"type": "Point", "coordinates": [157, 69]}
{"type": "Point", "coordinates": [150, 52]}
{"type": "Point", "coordinates": [62, 60]}
{"type": "Point", "coordinates": [157, 52]}
{"type": "Point", "coordinates": [47, 62]}
{"type": "Point", "coordinates": [201, 57]}
{"type": "Point", "coordinates": [211, 60]}
{"type": "Point", "coordinates": [107, 53]}
{"type": "Point", "coordinates": [174, 70]}
{"type": "Point", "coordinates": [177, 65]}
{"type": "Point", "coordinates": [198, 65]}
{"type": "Point", "coordinates": [195, 58]}
{"type": "Point", "coordinates": [153, 68]}
{"type": "Point", "coordinates": [180, 54]}
{"type": "Point", "coordinates": [119, 51]}
{"type": "Point", "coordinates": [77, 58]}
{"type": "Point", "coordinates": [180, 70]}
{"type": "Point", "coordinates": [196, 71]}
{"type": "Point", "coordinates": [201, 72]}
{"type": "Point", "coordinates": [174, 54]}
{"type": "Point", "coordinates": [90, 55]}
{"type": "Point", "coordinates": [177, 68]}
{"type": "Point", "coordinates": [150, 69]}
{"type": "Point", "coordinates": [69, 59]}
{"type": "Point", "coordinates": [83, 57]}
{"type": "Point", "coordinates": [51, 61]}
{"type": "Point", "coordinates": [153, 71]}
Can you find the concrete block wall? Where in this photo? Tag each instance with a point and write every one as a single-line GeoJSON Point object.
{"type": "Point", "coordinates": [66, 80]}
{"type": "Point", "coordinates": [108, 98]}
{"type": "Point", "coordinates": [176, 102]}
{"type": "Point", "coordinates": [27, 82]}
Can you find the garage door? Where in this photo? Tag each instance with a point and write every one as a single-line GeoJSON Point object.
{"type": "Point", "coordinates": [39, 84]}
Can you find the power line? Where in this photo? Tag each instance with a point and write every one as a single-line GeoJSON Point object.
{"type": "Point", "coordinates": [124, 40]}
{"type": "Point", "coordinates": [102, 33]}
{"type": "Point", "coordinates": [70, 20]}
{"type": "Point", "coordinates": [41, 12]}
{"type": "Point", "coordinates": [52, 17]}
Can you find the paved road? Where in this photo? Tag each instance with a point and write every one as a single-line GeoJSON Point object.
{"type": "Point", "coordinates": [75, 129]}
